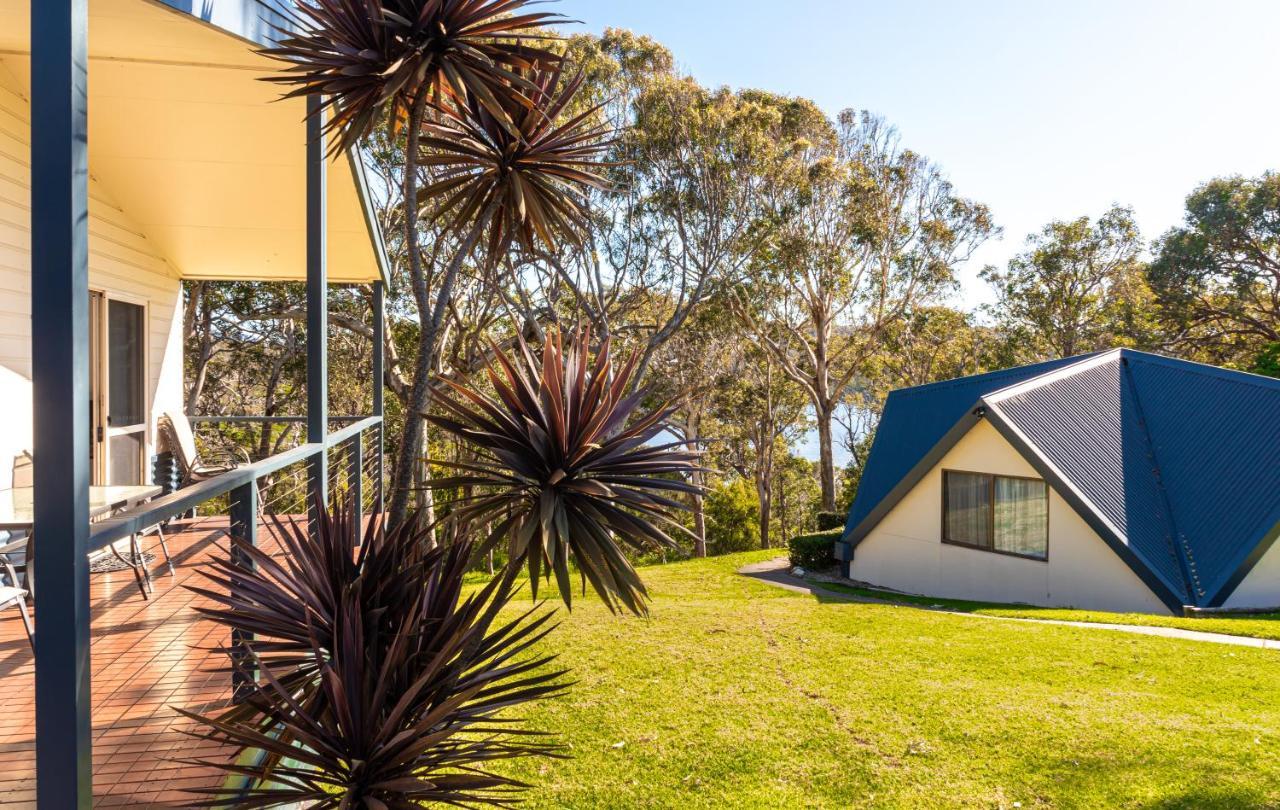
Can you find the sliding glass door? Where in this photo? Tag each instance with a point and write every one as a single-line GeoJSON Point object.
{"type": "Point", "coordinates": [118, 331]}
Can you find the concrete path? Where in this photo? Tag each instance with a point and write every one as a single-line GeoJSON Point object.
{"type": "Point", "coordinates": [777, 572]}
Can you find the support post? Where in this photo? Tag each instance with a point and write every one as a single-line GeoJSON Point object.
{"type": "Point", "coordinates": [379, 388]}
{"type": "Point", "coordinates": [60, 388]}
{"type": "Point", "coordinates": [317, 308]}
{"type": "Point", "coordinates": [355, 484]}
{"type": "Point", "coordinates": [244, 526]}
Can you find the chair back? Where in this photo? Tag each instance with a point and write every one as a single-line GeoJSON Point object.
{"type": "Point", "coordinates": [176, 437]}
{"type": "Point", "coordinates": [23, 471]}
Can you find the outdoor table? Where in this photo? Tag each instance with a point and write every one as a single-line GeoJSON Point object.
{"type": "Point", "coordinates": [17, 513]}
{"type": "Point", "coordinates": [17, 507]}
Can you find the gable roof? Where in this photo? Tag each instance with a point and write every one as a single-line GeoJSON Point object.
{"type": "Point", "coordinates": [1175, 464]}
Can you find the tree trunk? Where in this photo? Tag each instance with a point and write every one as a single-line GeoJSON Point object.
{"type": "Point", "coordinates": [402, 474]}
{"type": "Point", "coordinates": [429, 336]}
{"type": "Point", "coordinates": [826, 457]}
{"type": "Point", "coordinates": [765, 495]}
{"type": "Point", "coordinates": [693, 445]}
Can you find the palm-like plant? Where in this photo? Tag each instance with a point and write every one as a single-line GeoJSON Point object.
{"type": "Point", "coordinates": [418, 60]}
{"type": "Point", "coordinates": [368, 58]}
{"type": "Point", "coordinates": [566, 466]}
{"type": "Point", "coordinates": [378, 684]}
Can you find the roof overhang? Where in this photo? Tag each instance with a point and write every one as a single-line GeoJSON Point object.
{"type": "Point", "coordinates": [196, 150]}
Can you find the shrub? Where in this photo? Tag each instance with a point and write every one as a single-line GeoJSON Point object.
{"type": "Point", "coordinates": [814, 551]}
{"type": "Point", "coordinates": [831, 520]}
{"type": "Point", "coordinates": [733, 517]}
{"type": "Point", "coordinates": [567, 464]}
{"type": "Point", "coordinates": [381, 681]}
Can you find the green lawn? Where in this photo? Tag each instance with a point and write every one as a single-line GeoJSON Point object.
{"type": "Point", "coordinates": [1265, 625]}
{"type": "Point", "coordinates": [739, 694]}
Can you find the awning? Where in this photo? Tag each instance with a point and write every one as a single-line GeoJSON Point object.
{"type": "Point", "coordinates": [198, 152]}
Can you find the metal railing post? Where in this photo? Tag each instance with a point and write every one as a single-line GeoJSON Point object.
{"type": "Point", "coordinates": [379, 387]}
{"type": "Point", "coordinates": [317, 309]}
{"type": "Point", "coordinates": [60, 391]}
{"type": "Point", "coordinates": [355, 484]}
{"type": "Point", "coordinates": [244, 526]}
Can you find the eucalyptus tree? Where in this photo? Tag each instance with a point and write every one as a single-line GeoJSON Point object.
{"type": "Point", "coordinates": [860, 231]}
{"type": "Point", "coordinates": [1078, 287]}
{"type": "Point", "coordinates": [1216, 277]}
{"type": "Point", "coordinates": [693, 369]}
{"type": "Point", "coordinates": [761, 414]}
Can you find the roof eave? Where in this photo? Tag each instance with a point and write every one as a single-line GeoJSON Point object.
{"type": "Point", "coordinates": [855, 535]}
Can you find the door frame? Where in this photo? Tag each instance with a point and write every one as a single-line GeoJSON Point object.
{"type": "Point", "coordinates": [100, 376]}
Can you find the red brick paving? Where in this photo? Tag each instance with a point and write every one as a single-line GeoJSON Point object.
{"type": "Point", "coordinates": [148, 656]}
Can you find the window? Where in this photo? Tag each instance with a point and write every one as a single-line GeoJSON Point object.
{"type": "Point", "coordinates": [998, 513]}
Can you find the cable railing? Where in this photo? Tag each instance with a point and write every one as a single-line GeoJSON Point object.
{"type": "Point", "coordinates": [349, 460]}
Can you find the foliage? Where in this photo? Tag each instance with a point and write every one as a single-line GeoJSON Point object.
{"type": "Point", "coordinates": [365, 60]}
{"type": "Point", "coordinates": [831, 520]}
{"type": "Point", "coordinates": [375, 674]}
{"type": "Point", "coordinates": [1078, 288]}
{"type": "Point", "coordinates": [901, 702]}
{"type": "Point", "coordinates": [1268, 361]}
{"type": "Point", "coordinates": [814, 551]}
{"type": "Point", "coordinates": [564, 465]}
{"type": "Point", "coordinates": [733, 512]}
{"type": "Point", "coordinates": [1217, 276]}
{"type": "Point", "coordinates": [859, 231]}
{"type": "Point", "coordinates": [516, 173]}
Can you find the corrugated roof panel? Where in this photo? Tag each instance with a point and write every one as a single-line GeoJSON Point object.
{"type": "Point", "coordinates": [1087, 424]}
{"type": "Point", "coordinates": [916, 419]}
{"type": "Point", "coordinates": [1216, 438]}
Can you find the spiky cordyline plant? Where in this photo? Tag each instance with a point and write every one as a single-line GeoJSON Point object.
{"type": "Point", "coordinates": [378, 683]}
{"type": "Point", "coordinates": [522, 180]}
{"type": "Point", "coordinates": [565, 465]}
{"type": "Point", "coordinates": [369, 58]}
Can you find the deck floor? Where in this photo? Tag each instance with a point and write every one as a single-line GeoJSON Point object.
{"type": "Point", "coordinates": [148, 656]}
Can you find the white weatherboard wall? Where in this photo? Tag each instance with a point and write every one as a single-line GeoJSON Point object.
{"type": "Point", "coordinates": [121, 264]}
{"type": "Point", "coordinates": [1261, 588]}
{"type": "Point", "coordinates": [905, 551]}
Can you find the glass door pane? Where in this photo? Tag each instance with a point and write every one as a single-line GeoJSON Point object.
{"type": "Point", "coordinates": [126, 383]}
{"type": "Point", "coordinates": [125, 347]}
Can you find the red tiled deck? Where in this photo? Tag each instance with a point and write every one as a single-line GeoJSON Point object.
{"type": "Point", "coordinates": [148, 656]}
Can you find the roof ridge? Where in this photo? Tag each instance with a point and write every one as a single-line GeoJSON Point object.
{"type": "Point", "coordinates": [1204, 369]}
{"type": "Point", "coordinates": [1051, 366]}
{"type": "Point", "coordinates": [1085, 363]}
{"type": "Point", "coordinates": [1177, 544]}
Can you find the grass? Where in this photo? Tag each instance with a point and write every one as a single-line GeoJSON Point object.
{"type": "Point", "coordinates": [1263, 625]}
{"type": "Point", "coordinates": [738, 694]}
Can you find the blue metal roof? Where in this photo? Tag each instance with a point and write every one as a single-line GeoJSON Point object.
{"type": "Point", "coordinates": [914, 423]}
{"type": "Point", "coordinates": [1175, 464]}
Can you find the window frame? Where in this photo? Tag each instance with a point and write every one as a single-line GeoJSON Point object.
{"type": "Point", "coordinates": [991, 514]}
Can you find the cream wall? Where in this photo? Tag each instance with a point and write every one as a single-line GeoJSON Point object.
{"type": "Point", "coordinates": [1261, 588]}
{"type": "Point", "coordinates": [905, 552]}
{"type": "Point", "coordinates": [121, 263]}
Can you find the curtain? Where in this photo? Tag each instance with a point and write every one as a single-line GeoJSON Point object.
{"type": "Point", "coordinates": [968, 508]}
{"type": "Point", "coordinates": [1022, 517]}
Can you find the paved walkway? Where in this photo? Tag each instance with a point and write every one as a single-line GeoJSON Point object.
{"type": "Point", "coordinates": [777, 572]}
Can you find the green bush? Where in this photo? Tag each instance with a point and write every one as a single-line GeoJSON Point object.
{"type": "Point", "coordinates": [733, 517]}
{"type": "Point", "coordinates": [831, 520]}
{"type": "Point", "coordinates": [814, 551]}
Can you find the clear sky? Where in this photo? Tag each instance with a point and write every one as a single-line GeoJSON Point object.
{"type": "Point", "coordinates": [1043, 110]}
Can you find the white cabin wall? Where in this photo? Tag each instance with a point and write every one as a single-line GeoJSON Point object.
{"type": "Point", "coordinates": [121, 263]}
{"type": "Point", "coordinates": [1261, 588]}
{"type": "Point", "coordinates": [905, 550]}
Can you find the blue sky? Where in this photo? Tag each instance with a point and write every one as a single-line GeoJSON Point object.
{"type": "Point", "coordinates": [1040, 109]}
